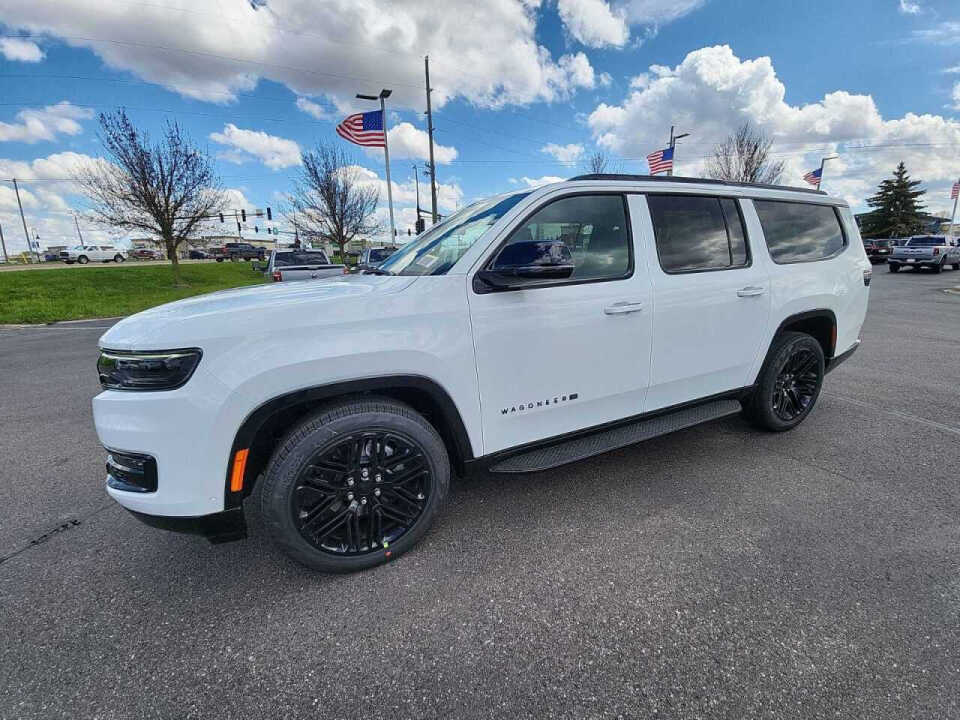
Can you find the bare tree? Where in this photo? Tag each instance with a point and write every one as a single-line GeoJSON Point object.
{"type": "Point", "coordinates": [331, 201]}
{"type": "Point", "coordinates": [166, 189]}
{"type": "Point", "coordinates": [745, 157]}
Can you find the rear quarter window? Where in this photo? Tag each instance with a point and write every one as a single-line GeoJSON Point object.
{"type": "Point", "coordinates": [800, 232]}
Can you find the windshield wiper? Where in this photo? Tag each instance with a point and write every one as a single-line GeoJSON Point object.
{"type": "Point", "coordinates": [377, 271]}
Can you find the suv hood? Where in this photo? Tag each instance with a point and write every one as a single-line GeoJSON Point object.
{"type": "Point", "coordinates": [249, 311]}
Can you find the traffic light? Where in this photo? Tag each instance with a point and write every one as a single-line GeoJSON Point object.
{"type": "Point", "coordinates": [421, 225]}
{"type": "Point", "coordinates": [269, 214]}
{"type": "Point", "coordinates": [243, 215]}
{"type": "Point", "coordinates": [221, 217]}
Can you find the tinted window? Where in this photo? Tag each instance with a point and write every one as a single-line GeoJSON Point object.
{"type": "Point", "coordinates": [797, 232]}
{"type": "Point", "coordinates": [927, 240]}
{"type": "Point", "coordinates": [697, 233]}
{"type": "Point", "coordinates": [593, 228]}
{"type": "Point", "coordinates": [286, 259]}
{"type": "Point", "coordinates": [380, 255]}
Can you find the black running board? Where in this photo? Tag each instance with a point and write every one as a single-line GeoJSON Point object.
{"type": "Point", "coordinates": [602, 441]}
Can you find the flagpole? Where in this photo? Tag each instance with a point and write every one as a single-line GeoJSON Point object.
{"type": "Point", "coordinates": [386, 155]}
{"type": "Point", "coordinates": [953, 215]}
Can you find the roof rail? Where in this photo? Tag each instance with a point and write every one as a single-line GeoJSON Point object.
{"type": "Point", "coordinates": [694, 181]}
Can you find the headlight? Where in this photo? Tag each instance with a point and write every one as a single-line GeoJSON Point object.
{"type": "Point", "coordinates": [164, 370]}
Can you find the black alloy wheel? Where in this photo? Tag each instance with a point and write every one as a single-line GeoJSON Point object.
{"type": "Point", "coordinates": [796, 385]}
{"type": "Point", "coordinates": [789, 383]}
{"type": "Point", "coordinates": [355, 484]}
{"type": "Point", "coordinates": [361, 493]}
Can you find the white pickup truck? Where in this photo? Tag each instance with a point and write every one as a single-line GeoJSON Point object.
{"type": "Point", "coordinates": [286, 265]}
{"type": "Point", "coordinates": [933, 251]}
{"type": "Point", "coordinates": [525, 331]}
{"type": "Point", "coordinates": [82, 254]}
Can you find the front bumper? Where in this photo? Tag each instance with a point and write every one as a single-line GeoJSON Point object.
{"type": "Point", "coordinates": [220, 527]}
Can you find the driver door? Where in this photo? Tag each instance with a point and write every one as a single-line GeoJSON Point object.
{"type": "Point", "coordinates": [561, 355]}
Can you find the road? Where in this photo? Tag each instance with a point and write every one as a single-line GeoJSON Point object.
{"type": "Point", "coordinates": [716, 572]}
{"type": "Point", "coordinates": [13, 267]}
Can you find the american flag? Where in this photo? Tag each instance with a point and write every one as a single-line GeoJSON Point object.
{"type": "Point", "coordinates": [660, 160]}
{"type": "Point", "coordinates": [364, 129]}
{"type": "Point", "coordinates": [813, 177]}
{"type": "Point", "coordinates": [955, 191]}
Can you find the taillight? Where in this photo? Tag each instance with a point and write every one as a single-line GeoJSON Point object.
{"type": "Point", "coordinates": [277, 277]}
{"type": "Point", "coordinates": [936, 251]}
{"type": "Point", "coordinates": [346, 270]}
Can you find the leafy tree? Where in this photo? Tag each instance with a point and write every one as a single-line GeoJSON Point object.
{"type": "Point", "coordinates": [745, 157]}
{"type": "Point", "coordinates": [330, 200]}
{"type": "Point", "coordinates": [165, 189]}
{"type": "Point", "coordinates": [897, 211]}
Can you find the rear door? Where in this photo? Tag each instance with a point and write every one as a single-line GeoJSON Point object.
{"type": "Point", "coordinates": [711, 298]}
{"type": "Point", "coordinates": [559, 356]}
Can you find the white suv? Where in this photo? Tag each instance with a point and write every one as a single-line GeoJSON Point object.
{"type": "Point", "coordinates": [525, 331]}
{"type": "Point", "coordinates": [83, 254]}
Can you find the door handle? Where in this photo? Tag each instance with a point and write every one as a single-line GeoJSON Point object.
{"type": "Point", "coordinates": [622, 308]}
{"type": "Point", "coordinates": [750, 291]}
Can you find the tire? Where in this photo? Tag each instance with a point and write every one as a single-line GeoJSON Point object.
{"type": "Point", "coordinates": [776, 408]}
{"type": "Point", "coordinates": [219, 259]}
{"type": "Point", "coordinates": [344, 435]}
{"type": "Point", "coordinates": [956, 266]}
{"type": "Point", "coordinates": [893, 267]}
{"type": "Point", "coordinates": [83, 259]}
{"type": "Point", "coordinates": [937, 268]}
{"type": "Point", "coordinates": [118, 258]}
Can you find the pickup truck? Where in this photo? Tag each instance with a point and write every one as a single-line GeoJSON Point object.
{"type": "Point", "coordinates": [238, 251]}
{"type": "Point", "coordinates": [83, 254]}
{"type": "Point", "coordinates": [932, 251]}
{"type": "Point", "coordinates": [286, 265]}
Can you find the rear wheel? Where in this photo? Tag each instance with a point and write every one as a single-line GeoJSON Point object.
{"type": "Point", "coordinates": [789, 383]}
{"type": "Point", "coordinates": [355, 485]}
{"type": "Point", "coordinates": [956, 266]}
{"type": "Point", "coordinates": [937, 268]}
{"type": "Point", "coordinates": [118, 258]}
{"type": "Point", "coordinates": [83, 259]}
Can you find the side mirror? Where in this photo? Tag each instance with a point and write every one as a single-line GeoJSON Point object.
{"type": "Point", "coordinates": [519, 263]}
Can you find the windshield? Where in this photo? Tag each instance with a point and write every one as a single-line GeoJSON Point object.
{"type": "Point", "coordinates": [438, 249]}
{"type": "Point", "coordinates": [926, 240]}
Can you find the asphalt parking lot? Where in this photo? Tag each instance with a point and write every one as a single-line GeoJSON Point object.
{"type": "Point", "coordinates": [716, 572]}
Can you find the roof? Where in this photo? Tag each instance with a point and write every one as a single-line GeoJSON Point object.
{"type": "Point", "coordinates": [693, 181]}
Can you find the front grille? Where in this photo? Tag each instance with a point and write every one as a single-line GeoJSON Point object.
{"type": "Point", "coordinates": [131, 472]}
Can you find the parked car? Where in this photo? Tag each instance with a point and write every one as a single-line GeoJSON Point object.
{"type": "Point", "coordinates": [198, 254]}
{"type": "Point", "coordinates": [238, 251]}
{"type": "Point", "coordinates": [51, 256]}
{"type": "Point", "coordinates": [82, 254]}
{"type": "Point", "coordinates": [878, 250]}
{"type": "Point", "coordinates": [933, 251]}
{"type": "Point", "coordinates": [372, 258]}
{"type": "Point", "coordinates": [525, 331]}
{"type": "Point", "coordinates": [286, 265]}
{"type": "Point", "coordinates": [145, 254]}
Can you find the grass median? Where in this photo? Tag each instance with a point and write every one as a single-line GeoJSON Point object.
{"type": "Point", "coordinates": [75, 293]}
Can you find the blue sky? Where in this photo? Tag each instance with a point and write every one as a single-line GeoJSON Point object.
{"type": "Point", "coordinates": [525, 90]}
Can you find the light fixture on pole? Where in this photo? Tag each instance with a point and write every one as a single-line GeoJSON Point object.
{"type": "Point", "coordinates": [673, 145]}
{"type": "Point", "coordinates": [823, 161]}
{"type": "Point", "coordinates": [384, 94]}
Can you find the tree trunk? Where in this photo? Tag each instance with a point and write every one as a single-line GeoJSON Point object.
{"type": "Point", "coordinates": [174, 262]}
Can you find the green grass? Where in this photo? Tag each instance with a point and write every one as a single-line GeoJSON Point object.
{"type": "Point", "coordinates": [39, 296]}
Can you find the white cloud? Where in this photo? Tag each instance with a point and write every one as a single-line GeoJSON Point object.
{"type": "Point", "coordinates": [578, 70]}
{"type": "Point", "coordinates": [449, 196]}
{"type": "Point", "coordinates": [639, 82]}
{"type": "Point", "coordinates": [946, 33]}
{"type": "Point", "coordinates": [406, 141]}
{"type": "Point", "coordinates": [312, 108]}
{"type": "Point", "coordinates": [324, 49]}
{"type": "Point", "coordinates": [956, 96]}
{"type": "Point", "coordinates": [712, 91]}
{"type": "Point", "coordinates": [536, 182]}
{"type": "Point", "coordinates": [36, 124]}
{"type": "Point", "coordinates": [274, 152]}
{"type": "Point", "coordinates": [594, 23]}
{"type": "Point", "coordinates": [20, 50]}
{"type": "Point", "coordinates": [659, 12]}
{"type": "Point", "coordinates": [907, 7]}
{"type": "Point", "coordinates": [563, 153]}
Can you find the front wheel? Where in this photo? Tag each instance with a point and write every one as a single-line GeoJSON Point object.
{"type": "Point", "coordinates": [956, 266]}
{"type": "Point", "coordinates": [355, 485]}
{"type": "Point", "coordinates": [789, 383]}
{"type": "Point", "coordinates": [936, 268]}
{"type": "Point", "coordinates": [83, 259]}
{"type": "Point", "coordinates": [894, 267]}
{"type": "Point", "coordinates": [118, 258]}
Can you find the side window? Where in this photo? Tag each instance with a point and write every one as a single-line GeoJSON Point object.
{"type": "Point", "coordinates": [592, 227]}
{"type": "Point", "coordinates": [800, 232]}
{"type": "Point", "coordinates": [695, 233]}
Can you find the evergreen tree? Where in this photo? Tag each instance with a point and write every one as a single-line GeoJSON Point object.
{"type": "Point", "coordinates": [897, 211]}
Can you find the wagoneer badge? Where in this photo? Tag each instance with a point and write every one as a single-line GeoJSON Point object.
{"type": "Point", "coordinates": [524, 407]}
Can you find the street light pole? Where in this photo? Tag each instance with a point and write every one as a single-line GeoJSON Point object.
{"type": "Point", "coordinates": [673, 145]}
{"type": "Point", "coordinates": [24, 221]}
{"type": "Point", "coordinates": [433, 167]}
{"type": "Point", "coordinates": [384, 94]}
{"type": "Point", "coordinates": [823, 161]}
{"type": "Point", "coordinates": [953, 215]}
{"type": "Point", "coordinates": [77, 223]}
{"type": "Point", "coordinates": [3, 244]}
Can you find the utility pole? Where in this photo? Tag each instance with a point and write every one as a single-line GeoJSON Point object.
{"type": "Point", "coordinates": [77, 223]}
{"type": "Point", "coordinates": [3, 244]}
{"type": "Point", "coordinates": [24, 221]}
{"type": "Point", "coordinates": [673, 144]}
{"type": "Point", "coordinates": [433, 166]}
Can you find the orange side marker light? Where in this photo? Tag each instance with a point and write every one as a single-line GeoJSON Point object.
{"type": "Point", "coordinates": [239, 466]}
